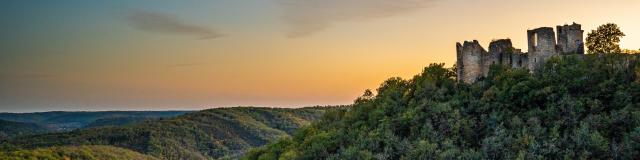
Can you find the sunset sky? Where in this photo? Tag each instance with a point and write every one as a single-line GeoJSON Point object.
{"type": "Point", "coordinates": [186, 55]}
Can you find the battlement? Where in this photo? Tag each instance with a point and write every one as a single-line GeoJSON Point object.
{"type": "Point", "coordinates": [473, 61]}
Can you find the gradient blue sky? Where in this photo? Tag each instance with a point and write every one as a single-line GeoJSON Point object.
{"type": "Point", "coordinates": [165, 54]}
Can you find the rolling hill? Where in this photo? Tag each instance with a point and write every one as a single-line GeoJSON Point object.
{"type": "Point", "coordinates": [212, 133]}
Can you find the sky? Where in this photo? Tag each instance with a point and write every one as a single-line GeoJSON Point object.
{"type": "Point", "coordinates": [92, 55]}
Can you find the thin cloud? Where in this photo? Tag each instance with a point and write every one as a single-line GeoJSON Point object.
{"type": "Point", "coordinates": [163, 23]}
{"type": "Point", "coordinates": [309, 16]}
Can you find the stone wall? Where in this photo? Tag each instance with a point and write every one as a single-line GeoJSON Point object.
{"type": "Point", "coordinates": [474, 61]}
{"type": "Point", "coordinates": [570, 39]}
{"type": "Point", "coordinates": [502, 49]}
{"type": "Point", "coordinates": [499, 54]}
{"type": "Point", "coordinates": [520, 60]}
{"type": "Point", "coordinates": [542, 45]}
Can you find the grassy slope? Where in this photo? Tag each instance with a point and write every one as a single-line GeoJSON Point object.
{"type": "Point", "coordinates": [213, 133]}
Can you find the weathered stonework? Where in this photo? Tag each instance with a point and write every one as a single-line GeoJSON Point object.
{"type": "Point", "coordinates": [542, 45]}
{"type": "Point", "coordinates": [474, 62]}
{"type": "Point", "coordinates": [470, 60]}
{"type": "Point", "coordinates": [570, 39]}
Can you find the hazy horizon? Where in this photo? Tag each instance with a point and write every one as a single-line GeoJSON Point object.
{"type": "Point", "coordinates": [80, 109]}
{"type": "Point", "coordinates": [87, 55]}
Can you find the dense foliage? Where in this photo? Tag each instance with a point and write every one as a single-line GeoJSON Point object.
{"type": "Point", "coordinates": [213, 133]}
{"type": "Point", "coordinates": [605, 39]}
{"type": "Point", "coordinates": [75, 152]}
{"type": "Point", "coordinates": [574, 107]}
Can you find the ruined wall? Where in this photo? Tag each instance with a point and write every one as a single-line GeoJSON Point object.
{"type": "Point", "coordinates": [570, 40]}
{"type": "Point", "coordinates": [470, 61]}
{"type": "Point", "coordinates": [499, 54]}
{"type": "Point", "coordinates": [520, 60]}
{"type": "Point", "coordinates": [474, 61]}
{"type": "Point", "coordinates": [542, 45]}
{"type": "Point", "coordinates": [503, 49]}
{"type": "Point", "coordinates": [459, 61]}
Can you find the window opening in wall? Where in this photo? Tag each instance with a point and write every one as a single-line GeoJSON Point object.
{"type": "Point", "coordinates": [520, 63]}
{"type": "Point", "coordinates": [535, 40]}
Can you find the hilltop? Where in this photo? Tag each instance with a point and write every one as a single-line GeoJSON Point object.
{"type": "Point", "coordinates": [573, 107]}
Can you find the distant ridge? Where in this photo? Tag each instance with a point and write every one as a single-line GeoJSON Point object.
{"type": "Point", "coordinates": [66, 121]}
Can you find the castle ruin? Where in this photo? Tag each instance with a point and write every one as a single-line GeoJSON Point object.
{"type": "Point", "coordinates": [473, 61]}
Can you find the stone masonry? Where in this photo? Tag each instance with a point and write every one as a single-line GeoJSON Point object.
{"type": "Point", "coordinates": [473, 61]}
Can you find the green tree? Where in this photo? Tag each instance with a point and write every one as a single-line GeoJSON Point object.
{"type": "Point", "coordinates": [366, 96]}
{"type": "Point", "coordinates": [605, 39]}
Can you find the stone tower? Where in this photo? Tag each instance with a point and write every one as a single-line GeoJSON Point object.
{"type": "Point", "coordinates": [570, 39]}
{"type": "Point", "coordinates": [469, 64]}
{"type": "Point", "coordinates": [542, 45]}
